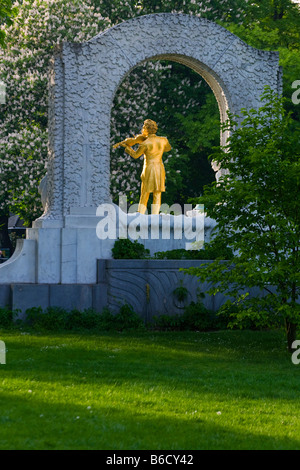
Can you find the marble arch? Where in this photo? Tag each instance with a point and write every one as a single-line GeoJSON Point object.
{"type": "Point", "coordinates": [84, 78]}
{"type": "Point", "coordinates": [61, 250]}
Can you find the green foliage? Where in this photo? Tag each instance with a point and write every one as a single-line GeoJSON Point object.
{"type": "Point", "coordinates": [7, 317]}
{"type": "Point", "coordinates": [121, 10]}
{"type": "Point", "coordinates": [181, 292]}
{"type": "Point", "coordinates": [248, 319]}
{"type": "Point", "coordinates": [127, 249]}
{"type": "Point", "coordinates": [257, 208]}
{"type": "Point", "coordinates": [275, 25]}
{"type": "Point", "coordinates": [281, 16]}
{"type": "Point", "coordinates": [195, 317]}
{"type": "Point", "coordinates": [198, 130]}
{"type": "Point", "coordinates": [53, 318]}
{"type": "Point", "coordinates": [30, 41]}
{"type": "Point", "coordinates": [7, 14]}
{"type": "Point", "coordinates": [166, 322]}
{"type": "Point", "coordinates": [125, 319]}
{"type": "Point", "coordinates": [59, 319]}
{"type": "Point", "coordinates": [21, 167]}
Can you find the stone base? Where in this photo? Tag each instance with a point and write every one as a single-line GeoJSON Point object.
{"type": "Point", "coordinates": [149, 286]}
{"type": "Point", "coordinates": [66, 251]}
{"type": "Point", "coordinates": [67, 296]}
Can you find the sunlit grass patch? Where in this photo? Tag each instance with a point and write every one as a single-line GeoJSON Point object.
{"type": "Point", "coordinates": [149, 390]}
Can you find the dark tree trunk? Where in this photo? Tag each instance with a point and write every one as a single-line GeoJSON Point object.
{"type": "Point", "coordinates": [279, 8]}
{"type": "Point", "coordinates": [291, 329]}
{"type": "Point", "coordinates": [4, 237]}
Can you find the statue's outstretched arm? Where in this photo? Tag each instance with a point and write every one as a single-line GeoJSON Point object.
{"type": "Point", "coordinates": [130, 141]}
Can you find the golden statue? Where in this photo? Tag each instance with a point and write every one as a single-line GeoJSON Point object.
{"type": "Point", "coordinates": [153, 174]}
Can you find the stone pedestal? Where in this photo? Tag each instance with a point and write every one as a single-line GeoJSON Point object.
{"type": "Point", "coordinates": [66, 251]}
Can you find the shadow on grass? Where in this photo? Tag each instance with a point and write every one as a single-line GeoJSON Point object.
{"type": "Point", "coordinates": [147, 391]}
{"type": "Point", "coordinates": [43, 426]}
{"type": "Point", "coordinates": [192, 359]}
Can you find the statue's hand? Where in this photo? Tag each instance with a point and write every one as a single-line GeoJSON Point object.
{"type": "Point", "coordinates": [120, 144]}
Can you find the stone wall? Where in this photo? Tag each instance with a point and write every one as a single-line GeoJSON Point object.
{"type": "Point", "coordinates": [147, 285]}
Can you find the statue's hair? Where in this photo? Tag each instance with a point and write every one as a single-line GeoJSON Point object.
{"type": "Point", "coordinates": [151, 126]}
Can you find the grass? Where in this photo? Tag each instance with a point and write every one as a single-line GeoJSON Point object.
{"type": "Point", "coordinates": [148, 390]}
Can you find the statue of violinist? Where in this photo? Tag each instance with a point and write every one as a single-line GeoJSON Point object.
{"type": "Point", "coordinates": [153, 174]}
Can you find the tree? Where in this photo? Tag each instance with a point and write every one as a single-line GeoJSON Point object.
{"type": "Point", "coordinates": [7, 14]}
{"type": "Point", "coordinates": [30, 39]}
{"type": "Point", "coordinates": [274, 25]}
{"type": "Point", "coordinates": [256, 206]}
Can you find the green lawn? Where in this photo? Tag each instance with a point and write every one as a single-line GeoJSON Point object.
{"type": "Point", "coordinates": [149, 390]}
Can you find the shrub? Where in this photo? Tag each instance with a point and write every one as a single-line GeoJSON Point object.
{"type": "Point", "coordinates": [167, 322]}
{"type": "Point", "coordinates": [7, 317]}
{"type": "Point", "coordinates": [181, 292]}
{"type": "Point", "coordinates": [87, 319]}
{"type": "Point", "coordinates": [127, 249]}
{"type": "Point", "coordinates": [58, 319]}
{"type": "Point", "coordinates": [127, 318]}
{"type": "Point", "coordinates": [53, 318]}
{"type": "Point", "coordinates": [195, 317]}
{"type": "Point", "coordinates": [228, 313]}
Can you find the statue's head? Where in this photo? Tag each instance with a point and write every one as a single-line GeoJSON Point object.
{"type": "Point", "coordinates": [149, 127]}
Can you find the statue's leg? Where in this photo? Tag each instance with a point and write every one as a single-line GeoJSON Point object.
{"type": "Point", "coordinates": [143, 201]}
{"type": "Point", "coordinates": [156, 202]}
